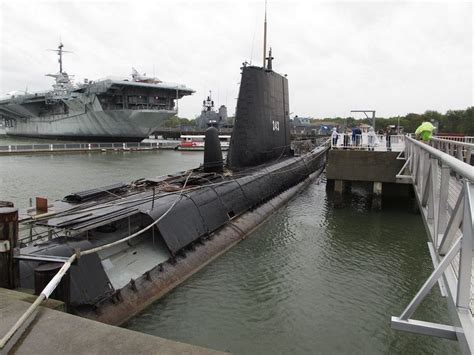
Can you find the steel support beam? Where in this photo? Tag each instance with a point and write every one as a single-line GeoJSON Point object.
{"type": "Point", "coordinates": [426, 328]}
{"type": "Point", "coordinates": [465, 263]}
{"type": "Point", "coordinates": [437, 273]}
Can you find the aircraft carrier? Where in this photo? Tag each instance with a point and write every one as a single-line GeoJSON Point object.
{"type": "Point", "coordinates": [110, 109]}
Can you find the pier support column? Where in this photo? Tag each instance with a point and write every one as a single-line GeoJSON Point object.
{"type": "Point", "coordinates": [339, 186]}
{"type": "Point", "coordinates": [377, 196]}
{"type": "Point", "coordinates": [9, 271]}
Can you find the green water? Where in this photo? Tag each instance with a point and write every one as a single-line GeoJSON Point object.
{"type": "Point", "coordinates": [312, 279]}
{"type": "Point", "coordinates": [56, 175]}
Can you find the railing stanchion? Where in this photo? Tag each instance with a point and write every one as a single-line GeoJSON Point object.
{"type": "Point", "coordinates": [443, 204]}
{"type": "Point", "coordinates": [463, 298]}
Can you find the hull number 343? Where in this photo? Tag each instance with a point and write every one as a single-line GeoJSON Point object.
{"type": "Point", "coordinates": [276, 126]}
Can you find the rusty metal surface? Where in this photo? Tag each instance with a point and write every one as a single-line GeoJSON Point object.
{"type": "Point", "coordinates": [89, 282]}
{"type": "Point", "coordinates": [41, 205]}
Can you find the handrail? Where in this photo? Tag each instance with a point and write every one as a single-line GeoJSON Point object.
{"type": "Point", "coordinates": [445, 140]}
{"type": "Point", "coordinates": [456, 165]}
{"type": "Point", "coordinates": [444, 189]}
{"type": "Point", "coordinates": [52, 147]}
{"type": "Point", "coordinates": [365, 141]}
{"type": "Point", "coordinates": [465, 139]}
{"type": "Point", "coordinates": [458, 149]}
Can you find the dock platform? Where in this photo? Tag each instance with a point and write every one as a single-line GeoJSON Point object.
{"type": "Point", "coordinates": [56, 332]}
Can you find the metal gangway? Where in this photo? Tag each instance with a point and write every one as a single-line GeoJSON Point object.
{"type": "Point", "coordinates": [443, 181]}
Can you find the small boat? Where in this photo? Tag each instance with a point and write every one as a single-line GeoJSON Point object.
{"type": "Point", "coordinates": [196, 142]}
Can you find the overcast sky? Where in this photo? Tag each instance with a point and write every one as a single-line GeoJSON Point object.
{"type": "Point", "coordinates": [394, 57]}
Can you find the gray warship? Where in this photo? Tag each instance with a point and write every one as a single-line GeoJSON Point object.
{"type": "Point", "coordinates": [110, 109]}
{"type": "Point", "coordinates": [211, 118]}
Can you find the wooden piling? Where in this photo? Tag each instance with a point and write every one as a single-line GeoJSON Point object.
{"type": "Point", "coordinates": [9, 271]}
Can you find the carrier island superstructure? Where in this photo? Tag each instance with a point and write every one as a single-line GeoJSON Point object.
{"type": "Point", "coordinates": [110, 109]}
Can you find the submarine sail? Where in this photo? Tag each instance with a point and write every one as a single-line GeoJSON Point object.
{"type": "Point", "coordinates": [262, 124]}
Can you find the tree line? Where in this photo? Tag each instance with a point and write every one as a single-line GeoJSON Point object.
{"type": "Point", "coordinates": [453, 121]}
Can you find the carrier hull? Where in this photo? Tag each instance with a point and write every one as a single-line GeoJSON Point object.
{"type": "Point", "coordinates": [99, 126]}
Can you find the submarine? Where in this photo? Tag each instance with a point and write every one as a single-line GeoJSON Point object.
{"type": "Point", "coordinates": [129, 244]}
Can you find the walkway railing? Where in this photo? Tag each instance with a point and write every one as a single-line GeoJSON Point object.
{"type": "Point", "coordinates": [61, 147]}
{"type": "Point", "coordinates": [460, 150]}
{"type": "Point", "coordinates": [444, 188]}
{"type": "Point", "coordinates": [363, 141]}
{"type": "Point", "coordinates": [464, 139]}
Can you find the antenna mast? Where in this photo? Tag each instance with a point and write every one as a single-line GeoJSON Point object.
{"type": "Point", "coordinates": [60, 53]}
{"type": "Point", "coordinates": [265, 35]}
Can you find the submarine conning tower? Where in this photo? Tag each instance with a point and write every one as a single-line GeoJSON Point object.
{"type": "Point", "coordinates": [262, 124]}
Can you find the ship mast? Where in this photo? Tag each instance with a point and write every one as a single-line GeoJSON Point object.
{"type": "Point", "coordinates": [60, 52]}
{"type": "Point", "coordinates": [265, 35]}
{"type": "Point", "coordinates": [60, 60]}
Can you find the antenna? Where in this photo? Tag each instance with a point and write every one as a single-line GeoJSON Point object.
{"type": "Point", "coordinates": [265, 35]}
{"type": "Point", "coordinates": [269, 59]}
{"type": "Point", "coordinates": [60, 52]}
{"type": "Point", "coordinates": [253, 40]}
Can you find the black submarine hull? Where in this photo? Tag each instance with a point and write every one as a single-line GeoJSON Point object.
{"type": "Point", "coordinates": [197, 252]}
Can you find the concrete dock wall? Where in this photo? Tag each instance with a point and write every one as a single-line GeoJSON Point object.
{"type": "Point", "coordinates": [359, 165]}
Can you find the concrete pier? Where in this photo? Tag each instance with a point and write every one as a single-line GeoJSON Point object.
{"type": "Point", "coordinates": [377, 196]}
{"type": "Point", "coordinates": [55, 332]}
{"type": "Point", "coordinates": [378, 167]}
{"type": "Point", "coordinates": [363, 165]}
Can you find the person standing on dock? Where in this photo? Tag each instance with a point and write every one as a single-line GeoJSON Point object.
{"type": "Point", "coordinates": [356, 136]}
{"type": "Point", "coordinates": [389, 133]}
{"type": "Point", "coordinates": [347, 138]}
{"type": "Point", "coordinates": [334, 137]}
{"type": "Point", "coordinates": [372, 138]}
